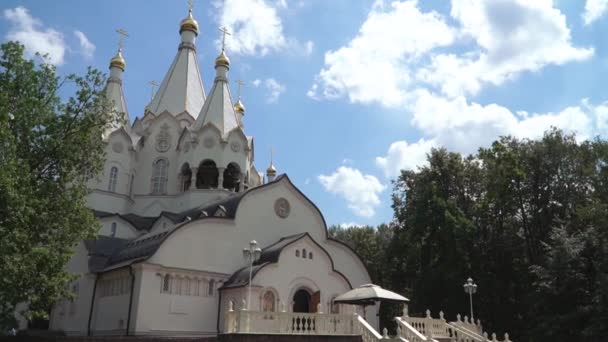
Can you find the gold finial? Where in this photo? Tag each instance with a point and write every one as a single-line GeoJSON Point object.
{"type": "Point", "coordinates": [271, 171]}
{"type": "Point", "coordinates": [239, 107]}
{"type": "Point", "coordinates": [189, 24]}
{"type": "Point", "coordinates": [153, 86]}
{"type": "Point", "coordinates": [118, 61]}
{"type": "Point", "coordinates": [225, 32]}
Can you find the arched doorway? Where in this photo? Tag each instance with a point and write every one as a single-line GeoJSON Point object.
{"type": "Point", "coordinates": [232, 177]}
{"type": "Point", "coordinates": [206, 178]}
{"type": "Point", "coordinates": [301, 301]}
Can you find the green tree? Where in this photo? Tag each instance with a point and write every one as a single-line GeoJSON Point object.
{"type": "Point", "coordinates": [49, 148]}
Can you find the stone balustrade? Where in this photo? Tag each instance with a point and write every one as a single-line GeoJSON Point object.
{"type": "Point", "coordinates": [296, 323]}
{"type": "Point", "coordinates": [422, 329]}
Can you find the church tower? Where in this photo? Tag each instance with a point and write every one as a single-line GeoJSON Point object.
{"type": "Point", "coordinates": [187, 150]}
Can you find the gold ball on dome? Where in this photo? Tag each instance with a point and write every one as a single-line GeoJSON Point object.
{"type": "Point", "coordinates": [118, 62]}
{"type": "Point", "coordinates": [222, 60]}
{"type": "Point", "coordinates": [271, 170]}
{"type": "Point", "coordinates": [239, 107]}
{"type": "Point", "coordinates": [189, 24]}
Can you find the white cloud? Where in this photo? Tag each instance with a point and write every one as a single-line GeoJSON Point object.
{"type": "Point", "coordinates": [273, 87]}
{"type": "Point", "coordinates": [404, 156]}
{"type": "Point", "coordinates": [491, 41]}
{"type": "Point", "coordinates": [594, 9]}
{"type": "Point", "coordinates": [86, 47]}
{"type": "Point", "coordinates": [360, 191]}
{"type": "Point", "coordinates": [374, 66]}
{"type": "Point", "coordinates": [347, 225]}
{"type": "Point", "coordinates": [512, 36]}
{"type": "Point", "coordinates": [256, 83]}
{"type": "Point", "coordinates": [256, 27]}
{"type": "Point", "coordinates": [464, 126]}
{"type": "Point", "coordinates": [30, 32]}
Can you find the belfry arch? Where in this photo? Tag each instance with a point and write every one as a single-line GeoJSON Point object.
{"type": "Point", "coordinates": [207, 175]}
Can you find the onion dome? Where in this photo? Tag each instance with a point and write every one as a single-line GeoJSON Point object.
{"type": "Point", "coordinates": [222, 60]}
{"type": "Point", "coordinates": [189, 24]}
{"type": "Point", "coordinates": [239, 107]}
{"type": "Point", "coordinates": [271, 170]}
{"type": "Point", "coordinates": [118, 61]}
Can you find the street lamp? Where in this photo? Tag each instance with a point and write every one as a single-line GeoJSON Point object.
{"type": "Point", "coordinates": [470, 287]}
{"type": "Point", "coordinates": [251, 254]}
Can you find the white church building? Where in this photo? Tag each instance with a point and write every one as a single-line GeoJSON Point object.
{"type": "Point", "coordinates": [178, 200]}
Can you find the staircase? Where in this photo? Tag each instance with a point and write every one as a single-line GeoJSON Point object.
{"type": "Point", "coordinates": [429, 329]}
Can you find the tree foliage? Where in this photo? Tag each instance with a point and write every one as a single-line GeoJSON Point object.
{"type": "Point", "coordinates": [527, 219]}
{"type": "Point", "coordinates": [49, 147]}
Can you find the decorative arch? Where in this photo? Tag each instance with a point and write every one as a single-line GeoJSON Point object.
{"type": "Point", "coordinates": [185, 177]}
{"type": "Point", "coordinates": [232, 177]}
{"type": "Point", "coordinates": [269, 300]}
{"type": "Point", "coordinates": [207, 175]}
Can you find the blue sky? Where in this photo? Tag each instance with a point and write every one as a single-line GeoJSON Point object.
{"type": "Point", "coordinates": [349, 92]}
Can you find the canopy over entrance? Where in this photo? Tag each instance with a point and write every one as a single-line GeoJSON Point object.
{"type": "Point", "coordinates": [369, 294]}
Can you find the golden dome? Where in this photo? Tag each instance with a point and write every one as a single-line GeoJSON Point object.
{"type": "Point", "coordinates": [222, 60]}
{"type": "Point", "coordinates": [118, 61]}
{"type": "Point", "coordinates": [189, 24]}
{"type": "Point", "coordinates": [271, 170]}
{"type": "Point", "coordinates": [239, 107]}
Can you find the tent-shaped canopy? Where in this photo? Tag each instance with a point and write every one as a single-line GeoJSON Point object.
{"type": "Point", "coordinates": [369, 294]}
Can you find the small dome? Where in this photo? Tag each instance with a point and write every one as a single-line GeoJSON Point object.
{"type": "Point", "coordinates": [189, 24]}
{"type": "Point", "coordinates": [222, 60]}
{"type": "Point", "coordinates": [239, 107]}
{"type": "Point", "coordinates": [271, 170]}
{"type": "Point", "coordinates": [118, 61]}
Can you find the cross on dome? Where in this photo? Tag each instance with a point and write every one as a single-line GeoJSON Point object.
{"type": "Point", "coordinates": [123, 33]}
{"type": "Point", "coordinates": [225, 32]}
{"type": "Point", "coordinates": [153, 86]}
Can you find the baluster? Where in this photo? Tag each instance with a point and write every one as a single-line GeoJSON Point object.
{"type": "Point", "coordinates": [507, 337]}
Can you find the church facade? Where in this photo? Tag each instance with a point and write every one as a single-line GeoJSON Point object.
{"type": "Point", "coordinates": [178, 201]}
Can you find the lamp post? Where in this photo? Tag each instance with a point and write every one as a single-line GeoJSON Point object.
{"type": "Point", "coordinates": [470, 287]}
{"type": "Point", "coordinates": [251, 254]}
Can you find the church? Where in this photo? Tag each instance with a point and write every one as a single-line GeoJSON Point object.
{"type": "Point", "coordinates": [190, 229]}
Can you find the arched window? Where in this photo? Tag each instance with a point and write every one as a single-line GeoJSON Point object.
{"type": "Point", "coordinates": [159, 176]}
{"type": "Point", "coordinates": [310, 255]}
{"type": "Point", "coordinates": [268, 302]}
{"type": "Point", "coordinates": [113, 179]}
{"type": "Point", "coordinates": [232, 177]}
{"type": "Point", "coordinates": [304, 253]}
{"type": "Point", "coordinates": [206, 178]}
{"type": "Point", "coordinates": [186, 177]}
{"type": "Point", "coordinates": [166, 284]}
{"type": "Point", "coordinates": [113, 230]}
{"type": "Point", "coordinates": [297, 253]}
{"type": "Point", "coordinates": [211, 289]}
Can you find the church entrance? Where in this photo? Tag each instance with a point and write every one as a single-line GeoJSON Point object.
{"type": "Point", "coordinates": [303, 301]}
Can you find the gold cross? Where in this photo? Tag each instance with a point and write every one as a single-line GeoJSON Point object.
{"type": "Point", "coordinates": [225, 32]}
{"type": "Point", "coordinates": [240, 83]}
{"type": "Point", "coordinates": [122, 34]}
{"type": "Point", "coordinates": [153, 84]}
{"type": "Point", "coordinates": [271, 155]}
{"type": "Point", "coordinates": [190, 4]}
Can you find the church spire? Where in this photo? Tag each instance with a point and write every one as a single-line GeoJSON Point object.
{"type": "Point", "coordinates": [114, 91]}
{"type": "Point", "coordinates": [219, 109]}
{"type": "Point", "coordinates": [182, 88]}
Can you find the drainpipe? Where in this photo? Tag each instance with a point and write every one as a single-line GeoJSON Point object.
{"type": "Point", "coordinates": [92, 304]}
{"type": "Point", "coordinates": [130, 299]}
{"type": "Point", "coordinates": [219, 306]}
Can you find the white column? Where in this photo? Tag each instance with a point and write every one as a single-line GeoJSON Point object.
{"type": "Point", "coordinates": [193, 178]}
{"type": "Point", "coordinates": [220, 177]}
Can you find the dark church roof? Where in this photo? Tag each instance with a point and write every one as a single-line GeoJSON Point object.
{"type": "Point", "coordinates": [269, 255]}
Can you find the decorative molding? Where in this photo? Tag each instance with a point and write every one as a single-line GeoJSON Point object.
{"type": "Point", "coordinates": [282, 207]}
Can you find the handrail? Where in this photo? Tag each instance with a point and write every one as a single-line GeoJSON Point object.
{"type": "Point", "coordinates": [466, 332]}
{"type": "Point", "coordinates": [368, 330]}
{"type": "Point", "coordinates": [413, 335]}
